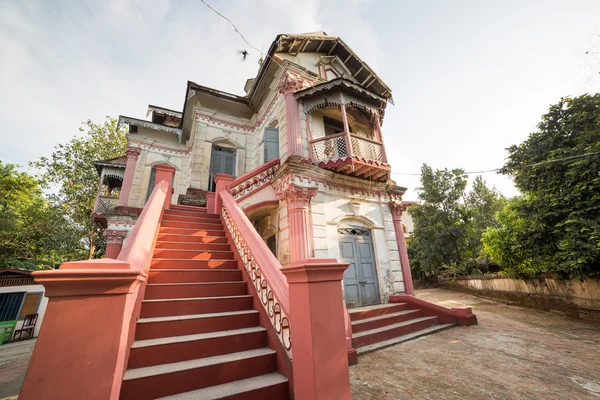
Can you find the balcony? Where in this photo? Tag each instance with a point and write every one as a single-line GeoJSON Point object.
{"type": "Point", "coordinates": [106, 204]}
{"type": "Point", "coordinates": [351, 155]}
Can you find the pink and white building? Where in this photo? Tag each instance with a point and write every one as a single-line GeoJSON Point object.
{"type": "Point", "coordinates": [306, 148]}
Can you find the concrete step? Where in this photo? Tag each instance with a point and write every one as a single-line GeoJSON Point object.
{"type": "Point", "coordinates": [187, 213]}
{"type": "Point", "coordinates": [173, 263]}
{"type": "Point", "coordinates": [180, 325]}
{"type": "Point", "coordinates": [388, 332]}
{"type": "Point", "coordinates": [209, 218]}
{"type": "Point", "coordinates": [170, 237]}
{"type": "Point", "coordinates": [366, 324]}
{"type": "Point", "coordinates": [215, 224]}
{"type": "Point", "coordinates": [194, 305]}
{"type": "Point", "coordinates": [197, 289]}
{"type": "Point", "coordinates": [193, 232]}
{"type": "Point", "coordinates": [185, 376]}
{"type": "Point", "coordinates": [172, 349]}
{"type": "Point", "coordinates": [267, 387]}
{"type": "Point", "coordinates": [181, 207]}
{"type": "Point", "coordinates": [164, 245]}
{"type": "Point", "coordinates": [158, 275]}
{"type": "Point", "coordinates": [403, 338]}
{"type": "Point", "coordinates": [377, 310]}
{"type": "Point", "coordinates": [193, 254]}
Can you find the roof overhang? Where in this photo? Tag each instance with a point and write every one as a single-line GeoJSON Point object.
{"type": "Point", "coordinates": [149, 125]}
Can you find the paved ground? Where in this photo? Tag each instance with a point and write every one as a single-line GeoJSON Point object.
{"type": "Point", "coordinates": [514, 353]}
{"type": "Point", "coordinates": [14, 359]}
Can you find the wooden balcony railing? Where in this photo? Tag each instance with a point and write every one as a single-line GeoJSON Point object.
{"type": "Point", "coordinates": [342, 145]}
{"type": "Point", "coordinates": [106, 204]}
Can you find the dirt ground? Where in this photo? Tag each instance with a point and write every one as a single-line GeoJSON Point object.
{"type": "Point", "coordinates": [514, 353]}
{"type": "Point", "coordinates": [14, 359]}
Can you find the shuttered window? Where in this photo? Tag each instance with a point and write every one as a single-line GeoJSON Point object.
{"type": "Point", "coordinates": [222, 161]}
{"type": "Point", "coordinates": [271, 143]}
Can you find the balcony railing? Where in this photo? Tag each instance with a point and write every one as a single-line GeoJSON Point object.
{"type": "Point", "coordinates": [106, 204]}
{"type": "Point", "coordinates": [336, 146]}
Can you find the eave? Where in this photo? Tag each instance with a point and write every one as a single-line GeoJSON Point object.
{"type": "Point", "coordinates": [149, 125]}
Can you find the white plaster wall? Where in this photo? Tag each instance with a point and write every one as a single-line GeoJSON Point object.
{"type": "Point", "coordinates": [306, 60]}
{"type": "Point", "coordinates": [265, 193]}
{"type": "Point", "coordinates": [42, 305]}
{"type": "Point", "coordinates": [330, 207]}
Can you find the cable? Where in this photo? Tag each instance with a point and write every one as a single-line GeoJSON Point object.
{"type": "Point", "coordinates": [240, 33]}
{"type": "Point", "coordinates": [522, 166]}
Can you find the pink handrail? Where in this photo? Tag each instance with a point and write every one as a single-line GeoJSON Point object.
{"type": "Point", "coordinates": [140, 244]}
{"type": "Point", "coordinates": [243, 178]}
{"type": "Point", "coordinates": [268, 264]}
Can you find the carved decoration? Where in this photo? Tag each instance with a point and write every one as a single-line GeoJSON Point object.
{"type": "Point", "coordinates": [296, 196]}
{"type": "Point", "coordinates": [292, 83]}
{"type": "Point", "coordinates": [277, 316]}
{"type": "Point", "coordinates": [112, 236]}
{"type": "Point", "coordinates": [254, 183]}
{"type": "Point", "coordinates": [397, 210]}
{"type": "Point", "coordinates": [133, 152]}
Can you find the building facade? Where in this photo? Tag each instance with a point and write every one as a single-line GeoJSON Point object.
{"type": "Point", "coordinates": [306, 148]}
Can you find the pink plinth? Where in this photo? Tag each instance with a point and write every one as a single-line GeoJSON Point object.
{"type": "Point", "coordinates": [89, 310]}
{"type": "Point", "coordinates": [165, 172]}
{"type": "Point", "coordinates": [319, 352]}
{"type": "Point", "coordinates": [221, 183]}
{"type": "Point", "coordinates": [210, 202]}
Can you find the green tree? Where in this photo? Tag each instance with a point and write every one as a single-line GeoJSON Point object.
{"type": "Point", "coordinates": [558, 171]}
{"type": "Point", "coordinates": [71, 167]}
{"type": "Point", "coordinates": [31, 228]}
{"type": "Point", "coordinates": [440, 222]}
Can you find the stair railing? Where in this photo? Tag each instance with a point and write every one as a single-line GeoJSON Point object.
{"type": "Point", "coordinates": [251, 181]}
{"type": "Point", "coordinates": [262, 266]}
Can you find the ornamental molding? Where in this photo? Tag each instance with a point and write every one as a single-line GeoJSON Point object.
{"type": "Point", "coordinates": [150, 125]}
{"type": "Point", "coordinates": [160, 149]}
{"type": "Point", "coordinates": [112, 236]}
{"type": "Point", "coordinates": [296, 197]}
{"type": "Point", "coordinates": [254, 183]}
{"type": "Point", "coordinates": [291, 83]}
{"type": "Point", "coordinates": [163, 111]}
{"type": "Point", "coordinates": [339, 82]}
{"type": "Point", "coordinates": [114, 172]}
{"type": "Point", "coordinates": [133, 152]}
{"type": "Point", "coordinates": [397, 209]}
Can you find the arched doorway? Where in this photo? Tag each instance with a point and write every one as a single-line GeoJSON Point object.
{"type": "Point", "coordinates": [361, 286]}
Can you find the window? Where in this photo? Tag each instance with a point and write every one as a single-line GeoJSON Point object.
{"type": "Point", "coordinates": [333, 126]}
{"type": "Point", "coordinates": [271, 143]}
{"type": "Point", "coordinates": [10, 304]}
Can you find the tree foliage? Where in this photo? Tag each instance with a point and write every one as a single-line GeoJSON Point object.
{"type": "Point", "coordinates": [449, 223]}
{"type": "Point", "coordinates": [31, 227]}
{"type": "Point", "coordinates": [555, 225]}
{"type": "Point", "coordinates": [71, 169]}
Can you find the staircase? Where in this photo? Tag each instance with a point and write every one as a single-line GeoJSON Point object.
{"type": "Point", "coordinates": [385, 325]}
{"type": "Point", "coordinates": [198, 336]}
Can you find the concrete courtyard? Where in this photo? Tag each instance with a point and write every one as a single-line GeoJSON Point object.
{"type": "Point", "coordinates": [514, 353]}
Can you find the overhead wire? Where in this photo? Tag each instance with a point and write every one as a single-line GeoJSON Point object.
{"type": "Point", "coordinates": [522, 166]}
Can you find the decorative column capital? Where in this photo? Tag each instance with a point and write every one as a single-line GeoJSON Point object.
{"type": "Point", "coordinates": [296, 197]}
{"type": "Point", "coordinates": [397, 210]}
{"type": "Point", "coordinates": [113, 236]}
{"type": "Point", "coordinates": [291, 83]}
{"type": "Point", "coordinates": [133, 152]}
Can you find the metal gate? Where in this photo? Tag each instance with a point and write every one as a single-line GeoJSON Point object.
{"type": "Point", "coordinates": [361, 287]}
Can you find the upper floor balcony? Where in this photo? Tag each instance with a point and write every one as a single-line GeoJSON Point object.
{"type": "Point", "coordinates": [344, 131]}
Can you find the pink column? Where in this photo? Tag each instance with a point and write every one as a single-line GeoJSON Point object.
{"type": "Point", "coordinates": [290, 84]}
{"type": "Point", "coordinates": [397, 210]}
{"type": "Point", "coordinates": [299, 220]}
{"type": "Point", "coordinates": [346, 126]}
{"type": "Point", "coordinates": [318, 337]}
{"type": "Point", "coordinates": [164, 172]}
{"type": "Point", "coordinates": [114, 242]}
{"type": "Point", "coordinates": [132, 156]}
{"type": "Point", "coordinates": [99, 191]}
{"type": "Point", "coordinates": [380, 137]}
{"type": "Point", "coordinates": [221, 183]}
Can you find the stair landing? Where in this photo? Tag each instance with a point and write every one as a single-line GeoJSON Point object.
{"type": "Point", "coordinates": [384, 325]}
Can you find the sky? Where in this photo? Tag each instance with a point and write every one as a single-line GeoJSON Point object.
{"type": "Point", "coordinates": [469, 78]}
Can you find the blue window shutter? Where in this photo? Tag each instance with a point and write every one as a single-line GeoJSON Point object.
{"type": "Point", "coordinates": [271, 141]}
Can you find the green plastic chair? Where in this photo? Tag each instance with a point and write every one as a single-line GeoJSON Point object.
{"type": "Point", "coordinates": [6, 331]}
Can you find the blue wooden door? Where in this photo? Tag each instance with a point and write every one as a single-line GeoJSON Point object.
{"type": "Point", "coordinates": [222, 161]}
{"type": "Point", "coordinates": [361, 287]}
